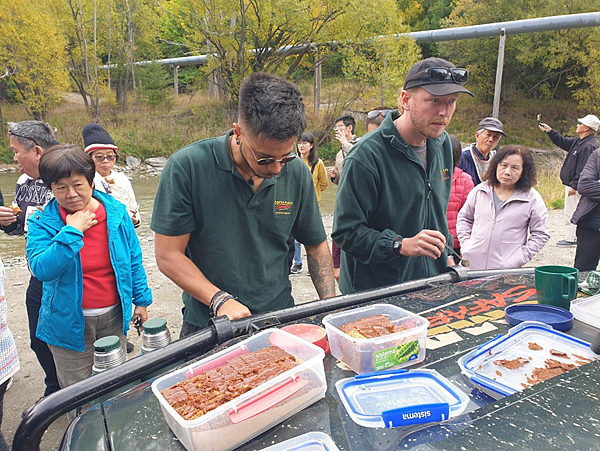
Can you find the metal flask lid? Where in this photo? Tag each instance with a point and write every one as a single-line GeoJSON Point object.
{"type": "Point", "coordinates": [107, 344]}
{"type": "Point", "coordinates": [156, 335]}
{"type": "Point", "coordinates": [155, 325]}
{"type": "Point", "coordinates": [108, 353]}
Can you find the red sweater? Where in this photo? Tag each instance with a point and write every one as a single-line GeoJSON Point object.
{"type": "Point", "coordinates": [462, 184]}
{"type": "Point", "coordinates": [99, 282]}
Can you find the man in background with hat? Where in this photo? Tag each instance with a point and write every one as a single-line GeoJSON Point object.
{"type": "Point", "coordinates": [476, 157]}
{"type": "Point", "coordinates": [390, 211]}
{"type": "Point", "coordinates": [578, 151]}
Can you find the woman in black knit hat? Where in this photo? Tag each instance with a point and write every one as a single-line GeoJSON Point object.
{"type": "Point", "coordinates": [100, 145]}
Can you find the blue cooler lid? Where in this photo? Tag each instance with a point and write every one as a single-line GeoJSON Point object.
{"type": "Point", "coordinates": [400, 398]}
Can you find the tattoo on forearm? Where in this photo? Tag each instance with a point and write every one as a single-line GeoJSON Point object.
{"type": "Point", "coordinates": [320, 266]}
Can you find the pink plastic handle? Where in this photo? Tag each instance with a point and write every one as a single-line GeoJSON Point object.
{"type": "Point", "coordinates": [220, 361]}
{"type": "Point", "coordinates": [267, 400]}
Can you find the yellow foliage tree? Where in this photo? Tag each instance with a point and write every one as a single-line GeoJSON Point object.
{"type": "Point", "coordinates": [32, 53]}
{"type": "Point", "coordinates": [247, 35]}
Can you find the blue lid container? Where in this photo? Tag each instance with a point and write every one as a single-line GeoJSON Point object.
{"type": "Point", "coordinates": [531, 341]}
{"type": "Point", "coordinates": [400, 398]}
{"type": "Point", "coordinates": [311, 441]}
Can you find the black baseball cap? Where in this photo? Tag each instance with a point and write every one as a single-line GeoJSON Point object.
{"type": "Point", "coordinates": [452, 82]}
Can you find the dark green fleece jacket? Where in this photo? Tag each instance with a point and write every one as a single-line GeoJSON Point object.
{"type": "Point", "coordinates": [385, 193]}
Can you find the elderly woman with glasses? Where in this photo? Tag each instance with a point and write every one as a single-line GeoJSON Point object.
{"type": "Point", "coordinates": [100, 145]}
{"type": "Point", "coordinates": [84, 249]}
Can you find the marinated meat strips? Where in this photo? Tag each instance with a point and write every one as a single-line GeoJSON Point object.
{"type": "Point", "coordinates": [556, 353]}
{"type": "Point", "coordinates": [553, 368]}
{"type": "Point", "coordinates": [511, 364]}
{"type": "Point", "coordinates": [201, 394]}
{"type": "Point", "coordinates": [369, 327]}
{"type": "Point", "coordinates": [534, 346]}
{"type": "Point", "coordinates": [582, 358]}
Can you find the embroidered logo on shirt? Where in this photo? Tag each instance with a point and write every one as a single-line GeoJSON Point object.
{"type": "Point", "coordinates": [283, 207]}
{"type": "Point", "coordinates": [445, 174]}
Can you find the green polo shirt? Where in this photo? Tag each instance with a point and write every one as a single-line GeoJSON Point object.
{"type": "Point", "coordinates": [238, 238]}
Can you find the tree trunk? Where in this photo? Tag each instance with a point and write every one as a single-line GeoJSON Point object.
{"type": "Point", "coordinates": [95, 98]}
{"type": "Point", "coordinates": [122, 84]}
{"type": "Point", "coordinates": [131, 48]}
{"type": "Point", "coordinates": [109, 44]}
{"type": "Point", "coordinates": [2, 97]}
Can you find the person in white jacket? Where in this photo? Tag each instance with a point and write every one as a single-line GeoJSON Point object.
{"type": "Point", "coordinates": [504, 222]}
{"type": "Point", "coordinates": [100, 145]}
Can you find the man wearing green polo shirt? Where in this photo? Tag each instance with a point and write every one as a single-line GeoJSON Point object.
{"type": "Point", "coordinates": [226, 206]}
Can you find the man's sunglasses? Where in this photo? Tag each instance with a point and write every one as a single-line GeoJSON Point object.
{"type": "Point", "coordinates": [269, 160]}
{"type": "Point", "coordinates": [373, 114]}
{"type": "Point", "coordinates": [443, 74]}
{"type": "Point", "coordinates": [26, 137]}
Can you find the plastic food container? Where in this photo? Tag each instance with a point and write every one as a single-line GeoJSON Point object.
{"type": "Point", "coordinates": [257, 410]}
{"type": "Point", "coordinates": [403, 348]}
{"type": "Point", "coordinates": [312, 441]}
{"type": "Point", "coordinates": [400, 398]}
{"type": "Point", "coordinates": [498, 381]}
{"type": "Point", "coordinates": [587, 310]}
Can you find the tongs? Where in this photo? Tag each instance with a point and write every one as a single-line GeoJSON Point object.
{"type": "Point", "coordinates": [463, 261]}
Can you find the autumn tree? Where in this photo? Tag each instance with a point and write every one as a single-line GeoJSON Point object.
{"type": "Point", "coordinates": [537, 64]}
{"type": "Point", "coordinates": [425, 15]}
{"type": "Point", "coordinates": [107, 32]}
{"type": "Point", "coordinates": [32, 53]}
{"type": "Point", "coordinates": [373, 55]}
{"type": "Point", "coordinates": [279, 36]}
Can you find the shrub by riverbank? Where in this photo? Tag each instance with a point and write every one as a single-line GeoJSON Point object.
{"type": "Point", "coordinates": [144, 132]}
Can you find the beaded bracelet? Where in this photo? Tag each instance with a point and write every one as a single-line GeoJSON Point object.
{"type": "Point", "coordinates": [217, 301]}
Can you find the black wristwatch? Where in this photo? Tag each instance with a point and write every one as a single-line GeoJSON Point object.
{"type": "Point", "coordinates": [397, 245]}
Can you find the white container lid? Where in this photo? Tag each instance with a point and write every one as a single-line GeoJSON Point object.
{"type": "Point", "coordinates": [400, 398]}
{"type": "Point", "coordinates": [311, 441]}
{"type": "Point", "coordinates": [587, 310]}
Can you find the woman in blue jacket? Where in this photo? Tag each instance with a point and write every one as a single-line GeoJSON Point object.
{"type": "Point", "coordinates": [84, 248]}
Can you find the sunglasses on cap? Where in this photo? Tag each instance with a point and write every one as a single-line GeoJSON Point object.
{"type": "Point", "coordinates": [26, 137]}
{"type": "Point", "coordinates": [269, 160]}
{"type": "Point", "coordinates": [374, 113]}
{"type": "Point", "coordinates": [443, 75]}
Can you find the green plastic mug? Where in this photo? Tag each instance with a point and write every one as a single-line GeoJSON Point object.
{"type": "Point", "coordinates": [556, 285]}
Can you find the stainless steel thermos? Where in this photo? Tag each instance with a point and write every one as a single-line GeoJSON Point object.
{"type": "Point", "coordinates": [156, 335]}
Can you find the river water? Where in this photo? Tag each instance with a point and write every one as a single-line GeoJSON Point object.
{"type": "Point", "coordinates": [144, 184]}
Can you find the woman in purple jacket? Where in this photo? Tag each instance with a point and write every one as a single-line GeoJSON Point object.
{"type": "Point", "coordinates": [504, 222]}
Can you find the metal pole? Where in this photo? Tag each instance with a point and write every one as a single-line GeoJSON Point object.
{"type": "Point", "coordinates": [537, 25]}
{"type": "Point", "coordinates": [176, 79]}
{"type": "Point", "coordinates": [498, 87]}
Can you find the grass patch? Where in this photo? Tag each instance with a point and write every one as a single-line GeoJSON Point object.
{"type": "Point", "coordinates": [141, 131]}
{"type": "Point", "coordinates": [146, 132]}
{"type": "Point", "coordinates": [551, 188]}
